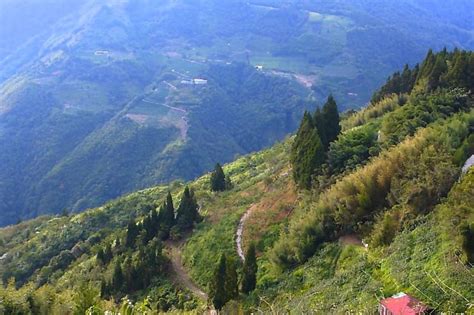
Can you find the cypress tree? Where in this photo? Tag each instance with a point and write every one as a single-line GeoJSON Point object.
{"type": "Point", "coordinates": [320, 124]}
{"type": "Point", "coordinates": [231, 281]}
{"type": "Point", "coordinates": [108, 255]}
{"type": "Point", "coordinates": [427, 65]}
{"type": "Point", "coordinates": [132, 233]}
{"type": "Point", "coordinates": [438, 69]}
{"type": "Point", "coordinates": [249, 279]}
{"type": "Point", "coordinates": [101, 256]}
{"type": "Point", "coordinates": [307, 152]}
{"type": "Point", "coordinates": [330, 121]}
{"type": "Point", "coordinates": [117, 276]}
{"type": "Point", "coordinates": [217, 291]}
{"type": "Point", "coordinates": [104, 289]}
{"type": "Point", "coordinates": [218, 179]}
{"type": "Point", "coordinates": [187, 212]}
{"type": "Point", "coordinates": [166, 216]}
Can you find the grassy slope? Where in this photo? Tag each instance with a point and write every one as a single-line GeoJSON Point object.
{"type": "Point", "coordinates": [423, 261]}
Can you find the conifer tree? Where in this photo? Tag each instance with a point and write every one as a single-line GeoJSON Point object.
{"type": "Point", "coordinates": [218, 179]}
{"type": "Point", "coordinates": [117, 276]}
{"type": "Point", "coordinates": [438, 69]}
{"type": "Point", "coordinates": [108, 255]}
{"type": "Point", "coordinates": [232, 280]}
{"type": "Point", "coordinates": [249, 278]}
{"type": "Point", "coordinates": [187, 212]}
{"type": "Point", "coordinates": [166, 215]}
{"type": "Point", "coordinates": [307, 152]}
{"type": "Point", "coordinates": [320, 124]}
{"type": "Point", "coordinates": [132, 233]}
{"type": "Point", "coordinates": [104, 289]}
{"type": "Point", "coordinates": [331, 119]}
{"type": "Point", "coordinates": [101, 256]}
{"type": "Point", "coordinates": [217, 287]}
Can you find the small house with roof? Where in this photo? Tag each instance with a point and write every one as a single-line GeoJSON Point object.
{"type": "Point", "coordinates": [402, 304]}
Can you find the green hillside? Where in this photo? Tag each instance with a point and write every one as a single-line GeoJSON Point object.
{"type": "Point", "coordinates": [96, 100]}
{"type": "Point", "coordinates": [388, 210]}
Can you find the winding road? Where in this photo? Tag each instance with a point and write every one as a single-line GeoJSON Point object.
{"type": "Point", "coordinates": [239, 233]}
{"type": "Point", "coordinates": [180, 275]}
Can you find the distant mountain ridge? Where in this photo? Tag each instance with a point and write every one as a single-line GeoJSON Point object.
{"type": "Point", "coordinates": [88, 87]}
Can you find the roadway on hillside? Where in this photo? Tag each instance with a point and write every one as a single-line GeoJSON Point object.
{"type": "Point", "coordinates": [180, 275]}
{"type": "Point", "coordinates": [239, 233]}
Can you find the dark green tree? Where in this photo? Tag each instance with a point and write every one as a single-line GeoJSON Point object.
{"type": "Point", "coordinates": [132, 233]}
{"type": "Point", "coordinates": [307, 152]}
{"type": "Point", "coordinates": [166, 215]}
{"type": "Point", "coordinates": [249, 277]}
{"type": "Point", "coordinates": [108, 255]}
{"type": "Point", "coordinates": [331, 126]}
{"type": "Point", "coordinates": [104, 289]}
{"type": "Point", "coordinates": [320, 125]}
{"type": "Point", "coordinates": [187, 212]}
{"type": "Point", "coordinates": [117, 277]}
{"type": "Point", "coordinates": [232, 279]}
{"type": "Point", "coordinates": [101, 256]}
{"type": "Point", "coordinates": [467, 232]}
{"type": "Point", "coordinates": [218, 179]}
{"type": "Point", "coordinates": [217, 291]}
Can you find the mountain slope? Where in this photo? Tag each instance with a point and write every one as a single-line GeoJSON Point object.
{"type": "Point", "coordinates": [407, 200]}
{"type": "Point", "coordinates": [95, 99]}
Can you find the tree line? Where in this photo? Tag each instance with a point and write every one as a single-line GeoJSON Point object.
{"type": "Point", "coordinates": [311, 144]}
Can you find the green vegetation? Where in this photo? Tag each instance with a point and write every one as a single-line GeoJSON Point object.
{"type": "Point", "coordinates": [312, 141]}
{"type": "Point", "coordinates": [249, 270]}
{"type": "Point", "coordinates": [307, 152]}
{"type": "Point", "coordinates": [223, 287]}
{"type": "Point", "coordinates": [400, 191]}
{"type": "Point", "coordinates": [219, 182]}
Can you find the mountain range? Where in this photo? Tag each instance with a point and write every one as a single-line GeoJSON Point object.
{"type": "Point", "coordinates": [101, 98]}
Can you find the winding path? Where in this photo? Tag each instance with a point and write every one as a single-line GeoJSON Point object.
{"type": "Point", "coordinates": [239, 233]}
{"type": "Point", "coordinates": [180, 275]}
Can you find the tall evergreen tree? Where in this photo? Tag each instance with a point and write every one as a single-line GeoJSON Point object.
{"type": "Point", "coordinates": [331, 119]}
{"type": "Point", "coordinates": [117, 277]}
{"type": "Point", "coordinates": [108, 254]}
{"type": "Point", "coordinates": [320, 124]}
{"type": "Point", "coordinates": [217, 287]}
{"type": "Point", "coordinates": [249, 278]}
{"type": "Point", "coordinates": [218, 179]}
{"type": "Point", "coordinates": [232, 279]}
{"type": "Point", "coordinates": [132, 233]}
{"type": "Point", "coordinates": [101, 256]}
{"type": "Point", "coordinates": [307, 152]}
{"type": "Point", "coordinates": [187, 212]}
{"type": "Point", "coordinates": [166, 215]}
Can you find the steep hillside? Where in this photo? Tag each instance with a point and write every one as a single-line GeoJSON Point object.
{"type": "Point", "coordinates": [96, 97]}
{"type": "Point", "coordinates": [388, 211]}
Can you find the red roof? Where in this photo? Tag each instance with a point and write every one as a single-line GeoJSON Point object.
{"type": "Point", "coordinates": [403, 304]}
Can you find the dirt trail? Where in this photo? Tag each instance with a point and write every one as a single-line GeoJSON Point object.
{"type": "Point", "coordinates": [161, 104]}
{"type": "Point", "coordinates": [240, 231]}
{"type": "Point", "coordinates": [182, 125]}
{"type": "Point", "coordinates": [352, 239]}
{"type": "Point", "coordinates": [180, 275]}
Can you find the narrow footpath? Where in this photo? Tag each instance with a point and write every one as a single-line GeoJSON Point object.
{"type": "Point", "coordinates": [180, 275]}
{"type": "Point", "coordinates": [239, 233]}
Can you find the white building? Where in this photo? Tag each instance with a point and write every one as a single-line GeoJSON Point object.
{"type": "Point", "coordinates": [199, 81]}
